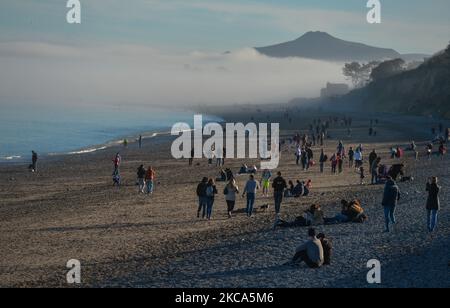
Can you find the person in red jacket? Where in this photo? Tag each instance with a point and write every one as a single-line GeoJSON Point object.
{"type": "Point", "coordinates": [149, 180]}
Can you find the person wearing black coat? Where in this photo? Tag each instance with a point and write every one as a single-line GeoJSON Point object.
{"type": "Point", "coordinates": [390, 199]}
{"type": "Point", "coordinates": [202, 198]}
{"type": "Point", "coordinates": [433, 203]}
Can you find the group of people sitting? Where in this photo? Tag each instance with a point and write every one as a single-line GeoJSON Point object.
{"type": "Point", "coordinates": [248, 170]}
{"type": "Point", "coordinates": [300, 189]}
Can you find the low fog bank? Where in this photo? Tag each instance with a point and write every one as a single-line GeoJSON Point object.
{"type": "Point", "coordinates": [120, 74]}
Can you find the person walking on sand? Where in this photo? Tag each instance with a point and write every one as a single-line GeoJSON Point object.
{"type": "Point", "coordinates": [141, 178]}
{"type": "Point", "coordinates": [351, 157]}
{"type": "Point", "coordinates": [149, 180]}
{"type": "Point", "coordinates": [230, 192]}
{"type": "Point", "coordinates": [201, 194]}
{"type": "Point", "coordinates": [298, 154]}
{"type": "Point", "coordinates": [310, 252]}
{"type": "Point", "coordinates": [433, 203]}
{"type": "Point", "coordinates": [391, 197]}
{"type": "Point", "coordinates": [358, 159]}
{"type": "Point", "coordinates": [211, 191]}
{"type": "Point", "coordinates": [117, 160]}
{"type": "Point", "coordinates": [125, 143]}
{"type": "Point", "coordinates": [140, 141]}
{"type": "Point", "coordinates": [279, 185]}
{"type": "Point", "coordinates": [442, 150]}
{"type": "Point", "coordinates": [250, 190]}
{"type": "Point", "coordinates": [322, 160]}
{"type": "Point", "coordinates": [372, 157]}
{"type": "Point", "coordinates": [265, 181]}
{"type": "Point", "coordinates": [34, 159]}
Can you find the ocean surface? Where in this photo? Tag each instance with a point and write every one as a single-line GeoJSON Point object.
{"type": "Point", "coordinates": [52, 130]}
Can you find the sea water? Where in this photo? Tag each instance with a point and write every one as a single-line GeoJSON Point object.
{"type": "Point", "coordinates": [52, 130]}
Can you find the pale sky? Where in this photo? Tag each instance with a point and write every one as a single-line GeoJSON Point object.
{"type": "Point", "coordinates": [409, 26]}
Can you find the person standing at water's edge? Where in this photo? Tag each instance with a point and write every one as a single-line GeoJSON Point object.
{"type": "Point", "coordinates": [141, 178]}
{"type": "Point", "coordinates": [140, 141]}
{"type": "Point", "coordinates": [250, 189]}
{"type": "Point", "coordinates": [211, 191]}
{"type": "Point", "coordinates": [433, 203]}
{"type": "Point", "coordinates": [230, 192]}
{"type": "Point", "coordinates": [390, 199]}
{"type": "Point", "coordinates": [150, 179]}
{"type": "Point", "coordinates": [201, 193]}
{"type": "Point", "coordinates": [34, 159]}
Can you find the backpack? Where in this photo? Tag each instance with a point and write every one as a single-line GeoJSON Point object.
{"type": "Point", "coordinates": [210, 191]}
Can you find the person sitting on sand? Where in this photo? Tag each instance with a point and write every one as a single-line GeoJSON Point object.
{"type": "Point", "coordinates": [222, 176]}
{"type": "Point", "coordinates": [288, 193]}
{"type": "Point", "coordinates": [327, 246]}
{"type": "Point", "coordinates": [350, 212]}
{"type": "Point", "coordinates": [141, 178]}
{"type": "Point", "coordinates": [243, 169]}
{"type": "Point", "coordinates": [314, 215]}
{"type": "Point", "coordinates": [298, 190]}
{"type": "Point", "coordinates": [306, 189]}
{"type": "Point", "coordinates": [252, 170]}
{"type": "Point", "coordinates": [310, 252]}
{"type": "Point", "coordinates": [201, 194]}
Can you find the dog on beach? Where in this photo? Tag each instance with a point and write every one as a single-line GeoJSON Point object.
{"type": "Point", "coordinates": [264, 207]}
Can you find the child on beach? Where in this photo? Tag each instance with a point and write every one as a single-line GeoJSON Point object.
{"type": "Point", "coordinates": [116, 178]}
{"type": "Point", "coordinates": [230, 192]}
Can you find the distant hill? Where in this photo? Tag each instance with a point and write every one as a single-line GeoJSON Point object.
{"type": "Point", "coordinates": [322, 46]}
{"type": "Point", "coordinates": [424, 90]}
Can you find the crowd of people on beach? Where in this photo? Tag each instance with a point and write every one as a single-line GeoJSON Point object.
{"type": "Point", "coordinates": [317, 251]}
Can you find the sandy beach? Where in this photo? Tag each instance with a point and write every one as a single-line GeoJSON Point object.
{"type": "Point", "coordinates": [70, 210]}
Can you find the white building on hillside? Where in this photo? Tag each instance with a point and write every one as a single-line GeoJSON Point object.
{"type": "Point", "coordinates": [334, 90]}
